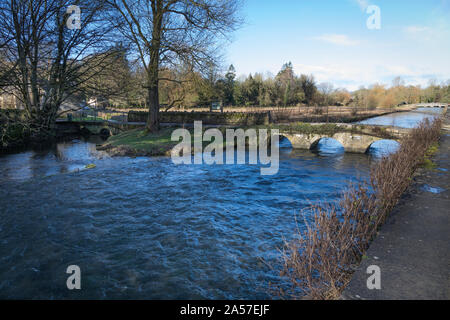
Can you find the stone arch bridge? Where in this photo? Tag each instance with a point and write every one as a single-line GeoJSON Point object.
{"type": "Point", "coordinates": [354, 138]}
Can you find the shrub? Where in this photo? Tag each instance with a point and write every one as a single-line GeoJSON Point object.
{"type": "Point", "coordinates": [319, 262]}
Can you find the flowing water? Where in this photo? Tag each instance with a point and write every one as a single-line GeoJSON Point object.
{"type": "Point", "coordinates": [405, 119]}
{"type": "Point", "coordinates": [146, 228]}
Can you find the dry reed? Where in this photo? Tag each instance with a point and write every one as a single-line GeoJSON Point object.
{"type": "Point", "coordinates": [320, 261]}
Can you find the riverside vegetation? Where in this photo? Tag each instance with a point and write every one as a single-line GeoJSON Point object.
{"type": "Point", "coordinates": [320, 261]}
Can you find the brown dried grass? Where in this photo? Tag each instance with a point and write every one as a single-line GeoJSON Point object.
{"type": "Point", "coordinates": [320, 261]}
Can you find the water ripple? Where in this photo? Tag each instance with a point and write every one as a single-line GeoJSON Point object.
{"type": "Point", "coordinates": [145, 228]}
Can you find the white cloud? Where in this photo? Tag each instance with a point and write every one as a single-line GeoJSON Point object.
{"type": "Point", "coordinates": [438, 32]}
{"type": "Point", "coordinates": [348, 76]}
{"type": "Point", "coordinates": [363, 4]}
{"type": "Point", "coordinates": [338, 39]}
{"type": "Point", "coordinates": [414, 30]}
{"type": "Point", "coordinates": [352, 75]}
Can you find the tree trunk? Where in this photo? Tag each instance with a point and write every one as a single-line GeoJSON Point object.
{"type": "Point", "coordinates": [153, 93]}
{"type": "Point", "coordinates": [153, 109]}
{"type": "Point", "coordinates": [153, 68]}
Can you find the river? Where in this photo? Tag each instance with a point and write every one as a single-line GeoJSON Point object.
{"type": "Point", "coordinates": [144, 228]}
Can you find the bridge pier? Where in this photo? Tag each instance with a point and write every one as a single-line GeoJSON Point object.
{"type": "Point", "coordinates": [304, 141]}
{"type": "Point", "coordinates": [355, 143]}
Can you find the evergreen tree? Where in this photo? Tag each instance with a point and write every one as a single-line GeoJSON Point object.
{"type": "Point", "coordinates": [229, 86]}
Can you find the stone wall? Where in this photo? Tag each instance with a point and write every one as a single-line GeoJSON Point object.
{"type": "Point", "coordinates": [208, 118]}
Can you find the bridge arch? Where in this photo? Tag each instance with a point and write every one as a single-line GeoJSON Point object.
{"type": "Point", "coordinates": [84, 131]}
{"type": "Point", "coordinates": [105, 132]}
{"type": "Point", "coordinates": [383, 147]}
{"type": "Point", "coordinates": [328, 144]}
{"type": "Point", "coordinates": [354, 138]}
{"type": "Point", "coordinates": [284, 141]}
{"type": "Point", "coordinates": [355, 143]}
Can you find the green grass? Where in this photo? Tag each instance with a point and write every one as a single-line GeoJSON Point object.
{"type": "Point", "coordinates": [140, 140]}
{"type": "Point", "coordinates": [432, 150]}
{"type": "Point", "coordinates": [155, 144]}
{"type": "Point", "coordinates": [427, 162]}
{"type": "Point", "coordinates": [305, 128]}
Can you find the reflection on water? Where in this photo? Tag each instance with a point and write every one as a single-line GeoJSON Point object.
{"type": "Point", "coordinates": [437, 111]}
{"type": "Point", "coordinates": [383, 148]}
{"type": "Point", "coordinates": [284, 143]}
{"type": "Point", "coordinates": [435, 190]}
{"type": "Point", "coordinates": [146, 228]}
{"type": "Point", "coordinates": [329, 146]}
{"type": "Point", "coordinates": [405, 119]}
{"type": "Point", "coordinates": [62, 158]}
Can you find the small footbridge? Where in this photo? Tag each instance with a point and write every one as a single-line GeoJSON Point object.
{"type": "Point", "coordinates": [354, 138]}
{"type": "Point", "coordinates": [99, 126]}
{"type": "Point", "coordinates": [431, 107]}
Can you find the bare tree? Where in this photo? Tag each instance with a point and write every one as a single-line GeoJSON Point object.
{"type": "Point", "coordinates": [43, 56]}
{"type": "Point", "coordinates": [326, 89]}
{"type": "Point", "coordinates": [169, 33]}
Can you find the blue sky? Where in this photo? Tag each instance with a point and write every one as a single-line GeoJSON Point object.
{"type": "Point", "coordinates": [330, 39]}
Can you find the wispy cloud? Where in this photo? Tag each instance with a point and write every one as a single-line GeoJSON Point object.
{"type": "Point", "coordinates": [337, 39]}
{"type": "Point", "coordinates": [352, 75]}
{"type": "Point", "coordinates": [363, 4]}
{"type": "Point", "coordinates": [413, 30]}
{"type": "Point", "coordinates": [437, 33]}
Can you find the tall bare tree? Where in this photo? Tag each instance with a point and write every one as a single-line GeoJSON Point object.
{"type": "Point", "coordinates": [43, 55]}
{"type": "Point", "coordinates": [169, 33]}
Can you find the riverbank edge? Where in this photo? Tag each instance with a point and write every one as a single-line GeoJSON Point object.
{"type": "Point", "coordinates": [412, 249]}
{"type": "Point", "coordinates": [27, 144]}
{"type": "Point", "coordinates": [137, 143]}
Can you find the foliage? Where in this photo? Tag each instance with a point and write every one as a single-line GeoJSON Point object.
{"type": "Point", "coordinates": [44, 62]}
{"type": "Point", "coordinates": [165, 35]}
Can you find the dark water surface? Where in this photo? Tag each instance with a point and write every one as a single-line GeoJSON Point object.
{"type": "Point", "coordinates": [146, 228]}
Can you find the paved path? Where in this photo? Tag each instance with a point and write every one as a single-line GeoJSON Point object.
{"type": "Point", "coordinates": [413, 247]}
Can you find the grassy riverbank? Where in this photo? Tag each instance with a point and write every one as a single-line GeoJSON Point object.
{"type": "Point", "coordinates": [323, 257]}
{"type": "Point", "coordinates": [138, 142]}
